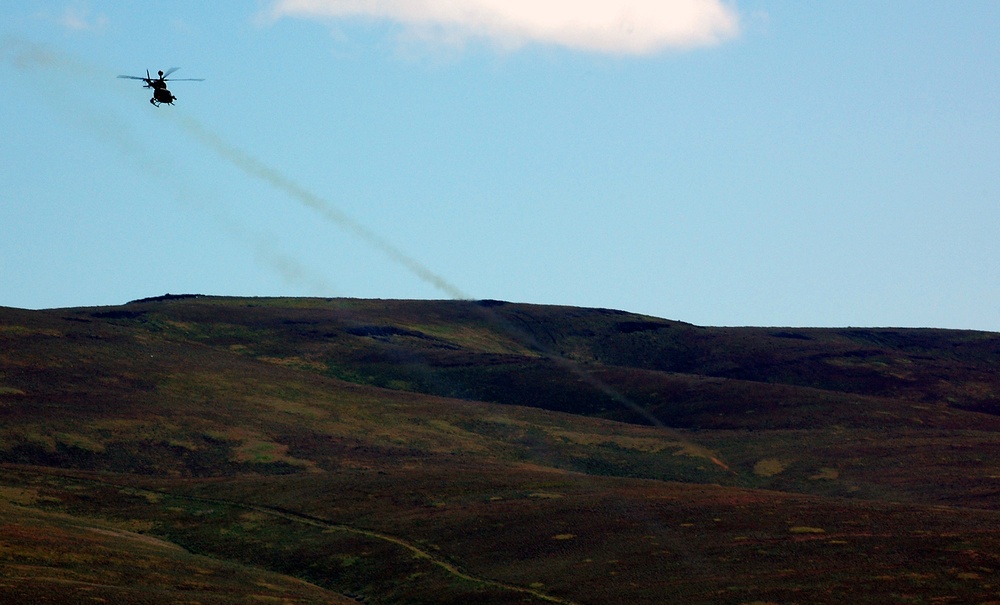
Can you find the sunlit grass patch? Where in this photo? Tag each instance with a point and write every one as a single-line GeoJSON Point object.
{"type": "Point", "coordinates": [297, 362]}
{"type": "Point", "coordinates": [641, 444]}
{"type": "Point", "coordinates": [769, 467]}
{"type": "Point", "coordinates": [18, 495]}
{"type": "Point", "coordinates": [479, 339]}
{"type": "Point", "coordinates": [260, 452]}
{"type": "Point", "coordinates": [249, 447]}
{"type": "Point", "coordinates": [825, 474]}
{"type": "Point", "coordinates": [805, 529]}
{"type": "Point", "coordinates": [45, 441]}
{"type": "Point", "coordinates": [17, 330]}
{"type": "Point", "coordinates": [294, 406]}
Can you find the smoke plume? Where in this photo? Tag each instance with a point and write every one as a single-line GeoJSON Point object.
{"type": "Point", "coordinates": [327, 210]}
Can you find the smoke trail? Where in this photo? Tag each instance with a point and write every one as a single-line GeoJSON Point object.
{"type": "Point", "coordinates": [526, 337]}
{"type": "Point", "coordinates": [27, 57]}
{"type": "Point", "coordinates": [289, 269]}
{"type": "Point", "coordinates": [256, 168]}
{"type": "Point", "coordinates": [111, 128]}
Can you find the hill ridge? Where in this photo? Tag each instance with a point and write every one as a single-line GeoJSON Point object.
{"type": "Point", "coordinates": [543, 446]}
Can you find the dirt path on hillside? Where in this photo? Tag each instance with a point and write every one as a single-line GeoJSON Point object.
{"type": "Point", "coordinates": [327, 525]}
{"type": "Point", "coordinates": [309, 520]}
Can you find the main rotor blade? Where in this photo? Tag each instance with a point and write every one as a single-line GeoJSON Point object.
{"type": "Point", "coordinates": [184, 80]}
{"type": "Point", "coordinates": [133, 77]}
{"type": "Point", "coordinates": [170, 71]}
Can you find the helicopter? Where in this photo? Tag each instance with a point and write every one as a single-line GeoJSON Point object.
{"type": "Point", "coordinates": [159, 85]}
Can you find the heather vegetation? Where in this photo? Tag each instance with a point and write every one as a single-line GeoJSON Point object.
{"type": "Point", "coordinates": [190, 449]}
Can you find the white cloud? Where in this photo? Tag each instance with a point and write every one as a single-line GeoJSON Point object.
{"type": "Point", "coordinates": [610, 26]}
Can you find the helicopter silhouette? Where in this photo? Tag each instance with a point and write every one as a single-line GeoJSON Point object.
{"type": "Point", "coordinates": [159, 85]}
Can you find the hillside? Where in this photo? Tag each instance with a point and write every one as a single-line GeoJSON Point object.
{"type": "Point", "coordinates": [224, 450]}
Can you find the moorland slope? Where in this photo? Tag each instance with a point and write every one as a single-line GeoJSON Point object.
{"type": "Point", "coordinates": [225, 450]}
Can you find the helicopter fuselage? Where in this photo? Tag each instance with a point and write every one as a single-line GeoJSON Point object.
{"type": "Point", "coordinates": [160, 92]}
{"type": "Point", "coordinates": [162, 95]}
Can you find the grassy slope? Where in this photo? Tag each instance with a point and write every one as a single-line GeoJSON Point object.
{"type": "Point", "coordinates": [371, 447]}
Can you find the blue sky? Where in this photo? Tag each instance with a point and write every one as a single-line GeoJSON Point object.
{"type": "Point", "coordinates": [734, 163]}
